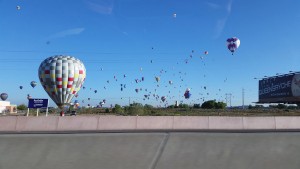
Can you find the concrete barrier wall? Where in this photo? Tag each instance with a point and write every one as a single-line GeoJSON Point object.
{"type": "Point", "coordinates": [36, 123]}
{"type": "Point", "coordinates": [154, 122]}
{"type": "Point", "coordinates": [77, 123]}
{"type": "Point", "coordinates": [287, 122]}
{"type": "Point", "coordinates": [102, 123]}
{"type": "Point", "coordinates": [117, 122]}
{"type": "Point", "coordinates": [223, 122]}
{"type": "Point", "coordinates": [190, 122]}
{"type": "Point", "coordinates": [259, 123]}
{"type": "Point", "coordinates": [8, 123]}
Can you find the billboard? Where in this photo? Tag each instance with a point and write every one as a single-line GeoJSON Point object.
{"type": "Point", "coordinates": [280, 89]}
{"type": "Point", "coordinates": [37, 103]}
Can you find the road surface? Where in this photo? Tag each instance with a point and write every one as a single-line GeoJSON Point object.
{"type": "Point", "coordinates": [153, 150]}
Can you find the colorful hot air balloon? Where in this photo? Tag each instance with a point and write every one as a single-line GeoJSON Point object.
{"type": "Point", "coordinates": [206, 52]}
{"type": "Point", "coordinates": [21, 87]}
{"type": "Point", "coordinates": [3, 96]}
{"type": "Point", "coordinates": [62, 77]}
{"type": "Point", "coordinates": [233, 44]}
{"type": "Point", "coordinates": [33, 84]}
{"type": "Point", "coordinates": [187, 93]}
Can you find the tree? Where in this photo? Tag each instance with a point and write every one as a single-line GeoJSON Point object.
{"type": "Point", "coordinates": [220, 105]}
{"type": "Point", "coordinates": [210, 104]}
{"type": "Point", "coordinates": [183, 105]}
{"type": "Point", "coordinates": [148, 106]}
{"type": "Point", "coordinates": [22, 107]}
{"type": "Point", "coordinates": [196, 106]}
{"type": "Point", "coordinates": [117, 109]}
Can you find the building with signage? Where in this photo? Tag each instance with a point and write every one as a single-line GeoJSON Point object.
{"type": "Point", "coordinates": [6, 107]}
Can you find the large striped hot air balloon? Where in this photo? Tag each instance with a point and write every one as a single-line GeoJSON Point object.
{"type": "Point", "coordinates": [232, 44]}
{"type": "Point", "coordinates": [62, 77]}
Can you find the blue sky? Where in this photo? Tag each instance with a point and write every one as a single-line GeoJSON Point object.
{"type": "Point", "coordinates": [123, 36]}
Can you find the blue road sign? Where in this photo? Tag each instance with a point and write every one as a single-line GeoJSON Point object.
{"type": "Point", "coordinates": [38, 103]}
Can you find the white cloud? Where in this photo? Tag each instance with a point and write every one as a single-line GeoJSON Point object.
{"type": "Point", "coordinates": [68, 32]}
{"type": "Point", "coordinates": [102, 7]}
{"type": "Point", "coordinates": [213, 5]}
{"type": "Point", "coordinates": [229, 4]}
{"type": "Point", "coordinates": [221, 23]}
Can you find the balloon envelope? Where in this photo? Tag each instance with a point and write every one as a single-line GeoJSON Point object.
{"type": "Point", "coordinates": [33, 84]}
{"type": "Point", "coordinates": [62, 77]}
{"type": "Point", "coordinates": [233, 43]}
{"type": "Point", "coordinates": [3, 96]}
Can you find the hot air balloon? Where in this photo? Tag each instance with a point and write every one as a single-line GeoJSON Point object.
{"type": "Point", "coordinates": [206, 52]}
{"type": "Point", "coordinates": [233, 44]}
{"type": "Point", "coordinates": [28, 96]}
{"type": "Point", "coordinates": [3, 96]}
{"type": "Point", "coordinates": [187, 93]}
{"type": "Point", "coordinates": [143, 78]}
{"type": "Point", "coordinates": [89, 98]}
{"type": "Point", "coordinates": [18, 7]}
{"type": "Point", "coordinates": [157, 79]}
{"type": "Point", "coordinates": [170, 82]}
{"type": "Point", "coordinates": [62, 77]}
{"type": "Point", "coordinates": [101, 104]}
{"type": "Point", "coordinates": [83, 87]}
{"type": "Point", "coordinates": [95, 91]}
{"type": "Point", "coordinates": [137, 90]}
{"type": "Point", "coordinates": [21, 87]}
{"type": "Point", "coordinates": [163, 98]}
{"type": "Point", "coordinates": [33, 84]}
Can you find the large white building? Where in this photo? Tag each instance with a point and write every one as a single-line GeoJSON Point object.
{"type": "Point", "coordinates": [6, 107]}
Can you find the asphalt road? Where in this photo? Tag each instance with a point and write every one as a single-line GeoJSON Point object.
{"type": "Point", "coordinates": [159, 150]}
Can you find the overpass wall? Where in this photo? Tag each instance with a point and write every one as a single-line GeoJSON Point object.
{"type": "Point", "coordinates": [111, 123]}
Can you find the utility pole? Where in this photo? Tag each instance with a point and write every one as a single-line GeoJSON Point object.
{"type": "Point", "coordinates": [129, 101]}
{"type": "Point", "coordinates": [228, 98]}
{"type": "Point", "coordinates": [243, 97]}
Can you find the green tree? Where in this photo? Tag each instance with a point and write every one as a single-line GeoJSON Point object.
{"type": "Point", "coordinates": [196, 106]}
{"type": "Point", "coordinates": [210, 104]}
{"type": "Point", "coordinates": [220, 105]}
{"type": "Point", "coordinates": [183, 106]}
{"type": "Point", "coordinates": [22, 107]}
{"type": "Point", "coordinates": [117, 109]}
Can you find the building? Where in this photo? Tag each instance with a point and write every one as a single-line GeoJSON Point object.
{"type": "Point", "coordinates": [6, 107]}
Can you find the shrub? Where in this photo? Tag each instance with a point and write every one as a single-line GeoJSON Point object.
{"type": "Point", "coordinates": [281, 106]}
